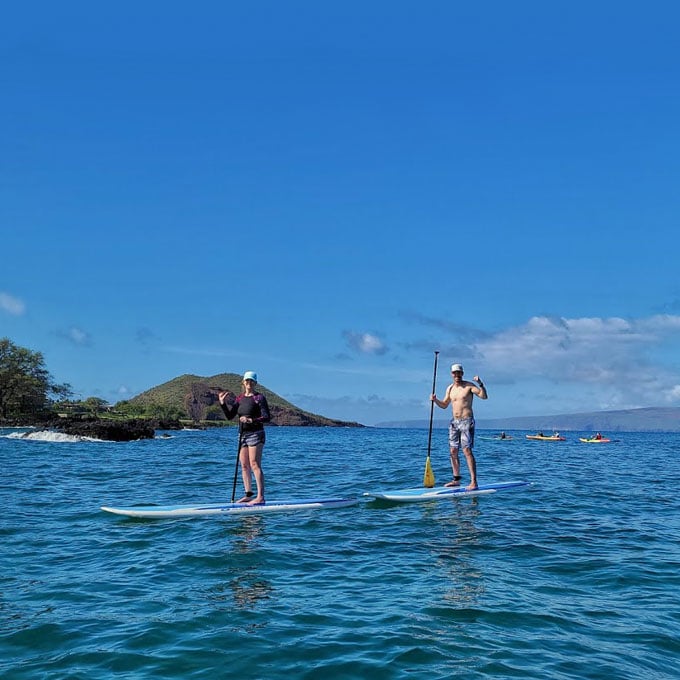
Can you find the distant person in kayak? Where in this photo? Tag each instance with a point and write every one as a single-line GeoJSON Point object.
{"type": "Point", "coordinates": [462, 427]}
{"type": "Point", "coordinates": [253, 411]}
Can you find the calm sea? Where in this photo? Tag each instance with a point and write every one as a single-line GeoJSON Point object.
{"type": "Point", "coordinates": [576, 577]}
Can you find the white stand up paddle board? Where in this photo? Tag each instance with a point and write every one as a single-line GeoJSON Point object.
{"type": "Point", "coordinates": [201, 509]}
{"type": "Point", "coordinates": [440, 492]}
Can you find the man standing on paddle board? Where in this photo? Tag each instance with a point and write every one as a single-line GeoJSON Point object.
{"type": "Point", "coordinates": [462, 427]}
{"type": "Point", "coordinates": [252, 410]}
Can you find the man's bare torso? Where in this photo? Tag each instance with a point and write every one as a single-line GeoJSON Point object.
{"type": "Point", "coordinates": [461, 399]}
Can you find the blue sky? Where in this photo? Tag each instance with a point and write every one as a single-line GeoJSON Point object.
{"type": "Point", "coordinates": [326, 193]}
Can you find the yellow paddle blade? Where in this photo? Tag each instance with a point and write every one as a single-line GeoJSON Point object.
{"type": "Point", "coordinates": [428, 478]}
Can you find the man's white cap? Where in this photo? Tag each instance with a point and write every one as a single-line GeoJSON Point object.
{"type": "Point", "coordinates": [456, 367]}
{"type": "Point", "coordinates": [250, 375]}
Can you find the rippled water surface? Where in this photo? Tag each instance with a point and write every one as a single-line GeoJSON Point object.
{"type": "Point", "coordinates": [576, 577]}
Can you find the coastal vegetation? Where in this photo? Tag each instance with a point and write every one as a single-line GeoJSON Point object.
{"type": "Point", "coordinates": [29, 395]}
{"type": "Point", "coordinates": [26, 386]}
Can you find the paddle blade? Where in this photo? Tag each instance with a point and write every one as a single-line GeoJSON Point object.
{"type": "Point", "coordinates": [428, 478]}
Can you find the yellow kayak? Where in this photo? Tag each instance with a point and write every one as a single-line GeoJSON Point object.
{"type": "Point", "coordinates": [547, 438]}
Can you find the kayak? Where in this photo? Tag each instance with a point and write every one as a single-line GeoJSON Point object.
{"type": "Point", "coordinates": [544, 438]}
{"type": "Point", "coordinates": [601, 440]}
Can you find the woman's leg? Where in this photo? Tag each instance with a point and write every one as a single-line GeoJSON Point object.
{"type": "Point", "coordinates": [244, 459]}
{"type": "Point", "coordinates": [255, 463]}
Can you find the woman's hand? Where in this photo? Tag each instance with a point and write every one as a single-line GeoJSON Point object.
{"type": "Point", "coordinates": [222, 396]}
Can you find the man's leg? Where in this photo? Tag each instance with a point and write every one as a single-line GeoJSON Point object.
{"type": "Point", "coordinates": [455, 466]}
{"type": "Point", "coordinates": [472, 466]}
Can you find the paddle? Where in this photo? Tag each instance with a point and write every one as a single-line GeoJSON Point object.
{"type": "Point", "coordinates": [238, 452]}
{"type": "Point", "coordinates": [428, 477]}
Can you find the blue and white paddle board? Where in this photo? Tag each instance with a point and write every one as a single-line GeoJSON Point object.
{"type": "Point", "coordinates": [201, 509]}
{"type": "Point", "coordinates": [436, 493]}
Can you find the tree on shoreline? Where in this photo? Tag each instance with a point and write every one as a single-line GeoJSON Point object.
{"type": "Point", "coordinates": [26, 386]}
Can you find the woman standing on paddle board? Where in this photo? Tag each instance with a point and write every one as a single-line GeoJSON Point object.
{"type": "Point", "coordinates": [462, 428]}
{"type": "Point", "coordinates": [253, 411]}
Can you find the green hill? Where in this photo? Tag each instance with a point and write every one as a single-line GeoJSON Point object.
{"type": "Point", "coordinates": [194, 397]}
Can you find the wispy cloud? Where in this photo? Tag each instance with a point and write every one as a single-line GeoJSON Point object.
{"type": "Point", "coordinates": [365, 343]}
{"type": "Point", "coordinates": [77, 336]}
{"type": "Point", "coordinates": [373, 408]}
{"type": "Point", "coordinates": [11, 304]}
{"type": "Point", "coordinates": [452, 328]}
{"type": "Point", "coordinates": [146, 337]}
{"type": "Point", "coordinates": [203, 352]}
{"type": "Point", "coordinates": [339, 365]}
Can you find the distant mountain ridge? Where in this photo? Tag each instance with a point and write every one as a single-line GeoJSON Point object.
{"type": "Point", "coordinates": [652, 419]}
{"type": "Point", "coordinates": [196, 396]}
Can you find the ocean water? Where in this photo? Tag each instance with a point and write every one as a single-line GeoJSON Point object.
{"type": "Point", "coordinates": [576, 577]}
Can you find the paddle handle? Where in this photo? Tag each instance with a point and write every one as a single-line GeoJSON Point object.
{"type": "Point", "coordinates": [434, 387]}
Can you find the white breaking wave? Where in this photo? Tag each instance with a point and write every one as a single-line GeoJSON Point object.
{"type": "Point", "coordinates": [50, 436]}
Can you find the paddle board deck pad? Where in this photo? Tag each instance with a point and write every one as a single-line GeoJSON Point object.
{"type": "Point", "coordinates": [440, 492]}
{"type": "Point", "coordinates": [201, 509]}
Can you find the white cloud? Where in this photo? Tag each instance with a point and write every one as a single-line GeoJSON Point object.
{"type": "Point", "coordinates": [570, 345]}
{"type": "Point", "coordinates": [365, 343]}
{"type": "Point", "coordinates": [11, 305]}
{"type": "Point", "coordinates": [661, 323]}
{"type": "Point", "coordinates": [618, 357]}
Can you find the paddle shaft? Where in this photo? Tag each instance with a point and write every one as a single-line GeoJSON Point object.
{"type": "Point", "coordinates": [434, 387]}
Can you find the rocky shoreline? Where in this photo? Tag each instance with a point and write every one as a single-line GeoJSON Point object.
{"type": "Point", "coordinates": [128, 430]}
{"type": "Point", "coordinates": [108, 430]}
{"type": "Point", "coordinates": [132, 429]}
